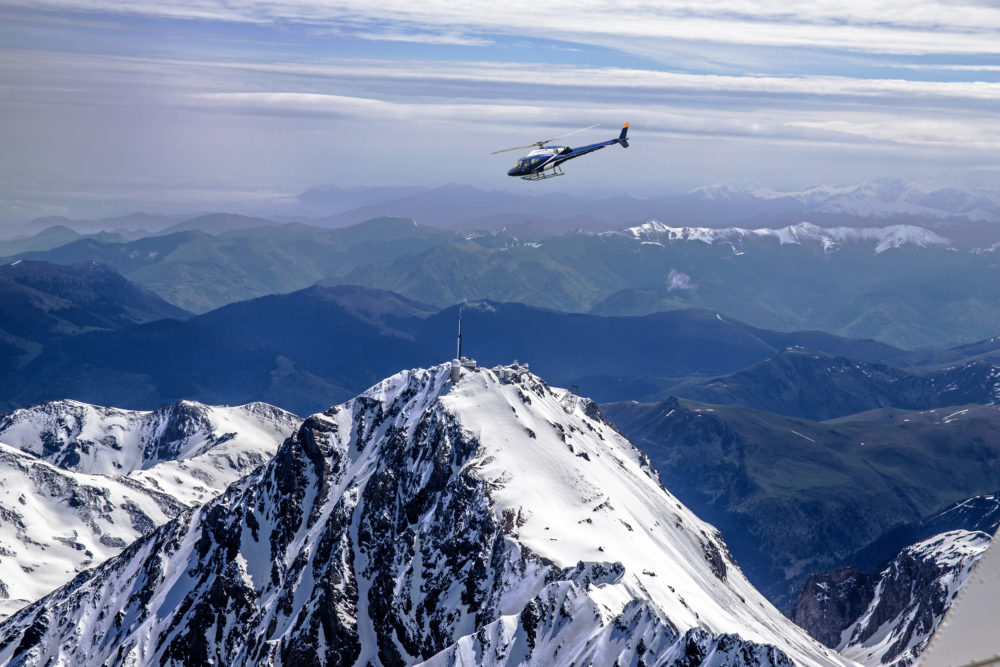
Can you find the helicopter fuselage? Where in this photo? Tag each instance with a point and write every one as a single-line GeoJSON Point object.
{"type": "Point", "coordinates": [543, 162]}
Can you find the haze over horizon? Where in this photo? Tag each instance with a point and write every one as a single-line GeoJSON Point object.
{"type": "Point", "coordinates": [202, 105]}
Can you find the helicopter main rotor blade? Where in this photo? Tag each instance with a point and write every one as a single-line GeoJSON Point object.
{"type": "Point", "coordinates": [543, 142]}
{"type": "Point", "coordinates": [517, 148]}
{"type": "Point", "coordinates": [569, 133]}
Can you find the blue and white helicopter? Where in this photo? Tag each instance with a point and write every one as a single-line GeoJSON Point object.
{"type": "Point", "coordinates": [544, 162]}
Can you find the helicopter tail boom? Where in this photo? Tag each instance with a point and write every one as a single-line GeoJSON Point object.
{"type": "Point", "coordinates": [623, 137]}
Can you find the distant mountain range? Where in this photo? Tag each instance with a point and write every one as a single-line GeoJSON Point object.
{"type": "Point", "coordinates": [455, 206]}
{"type": "Point", "coordinates": [905, 286]}
{"type": "Point", "coordinates": [320, 344]}
{"type": "Point", "coordinates": [872, 202]}
{"type": "Point", "coordinates": [804, 383]}
{"type": "Point", "coordinates": [111, 342]}
{"type": "Point", "coordinates": [830, 239]}
{"type": "Point", "coordinates": [137, 221]}
{"type": "Point", "coordinates": [908, 285]}
{"type": "Point", "coordinates": [199, 271]}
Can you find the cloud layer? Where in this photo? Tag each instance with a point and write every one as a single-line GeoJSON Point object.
{"type": "Point", "coordinates": [125, 98]}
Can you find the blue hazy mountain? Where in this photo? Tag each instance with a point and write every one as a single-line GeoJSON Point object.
{"type": "Point", "coordinates": [42, 302]}
{"type": "Point", "coordinates": [218, 223]}
{"type": "Point", "coordinates": [343, 338]}
{"type": "Point", "coordinates": [804, 383]}
{"type": "Point", "coordinates": [883, 200]}
{"type": "Point", "coordinates": [905, 285]}
{"type": "Point", "coordinates": [243, 257]}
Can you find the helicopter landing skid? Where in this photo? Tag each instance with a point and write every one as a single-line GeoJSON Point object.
{"type": "Point", "coordinates": [542, 175]}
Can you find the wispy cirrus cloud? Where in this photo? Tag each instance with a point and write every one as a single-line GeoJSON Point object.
{"type": "Point", "coordinates": [821, 128]}
{"type": "Point", "coordinates": [31, 66]}
{"type": "Point", "coordinates": [453, 39]}
{"type": "Point", "coordinates": [880, 26]}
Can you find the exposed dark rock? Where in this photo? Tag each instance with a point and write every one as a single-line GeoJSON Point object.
{"type": "Point", "coordinates": [829, 603]}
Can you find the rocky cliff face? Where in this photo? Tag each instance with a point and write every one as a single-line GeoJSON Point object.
{"type": "Point", "coordinates": [888, 617]}
{"type": "Point", "coordinates": [831, 602]}
{"type": "Point", "coordinates": [478, 522]}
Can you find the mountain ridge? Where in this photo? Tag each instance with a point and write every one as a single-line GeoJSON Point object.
{"type": "Point", "coordinates": [448, 549]}
{"type": "Point", "coordinates": [814, 385]}
{"type": "Point", "coordinates": [82, 482]}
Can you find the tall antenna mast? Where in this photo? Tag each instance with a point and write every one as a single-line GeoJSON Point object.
{"type": "Point", "coordinates": [459, 357]}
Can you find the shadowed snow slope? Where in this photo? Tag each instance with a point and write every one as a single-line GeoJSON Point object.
{"type": "Point", "coordinates": [479, 522]}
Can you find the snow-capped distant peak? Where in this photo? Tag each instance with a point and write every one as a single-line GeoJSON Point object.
{"type": "Point", "coordinates": [829, 238]}
{"type": "Point", "coordinates": [721, 191]}
{"type": "Point", "coordinates": [883, 198]}
{"type": "Point", "coordinates": [494, 520]}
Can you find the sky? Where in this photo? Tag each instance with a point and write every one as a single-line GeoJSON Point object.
{"type": "Point", "coordinates": [110, 106]}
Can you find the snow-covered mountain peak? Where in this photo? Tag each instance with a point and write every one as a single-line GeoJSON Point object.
{"type": "Point", "coordinates": [190, 450]}
{"type": "Point", "coordinates": [722, 191]}
{"type": "Point", "coordinates": [829, 239]}
{"type": "Point", "coordinates": [492, 520]}
{"type": "Point", "coordinates": [79, 482]}
{"type": "Point", "coordinates": [55, 523]}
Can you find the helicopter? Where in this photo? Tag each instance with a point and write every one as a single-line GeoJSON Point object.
{"type": "Point", "coordinates": [544, 162]}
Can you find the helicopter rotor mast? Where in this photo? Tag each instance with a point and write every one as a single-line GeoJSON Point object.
{"type": "Point", "coordinates": [541, 144]}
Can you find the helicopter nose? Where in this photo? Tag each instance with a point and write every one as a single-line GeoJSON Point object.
{"type": "Point", "coordinates": [512, 172]}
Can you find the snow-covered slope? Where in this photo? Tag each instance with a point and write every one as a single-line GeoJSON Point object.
{"type": "Point", "coordinates": [829, 238]}
{"type": "Point", "coordinates": [189, 450]}
{"type": "Point", "coordinates": [909, 598]}
{"type": "Point", "coordinates": [55, 523]}
{"type": "Point", "coordinates": [480, 522]}
{"type": "Point", "coordinates": [79, 483]}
